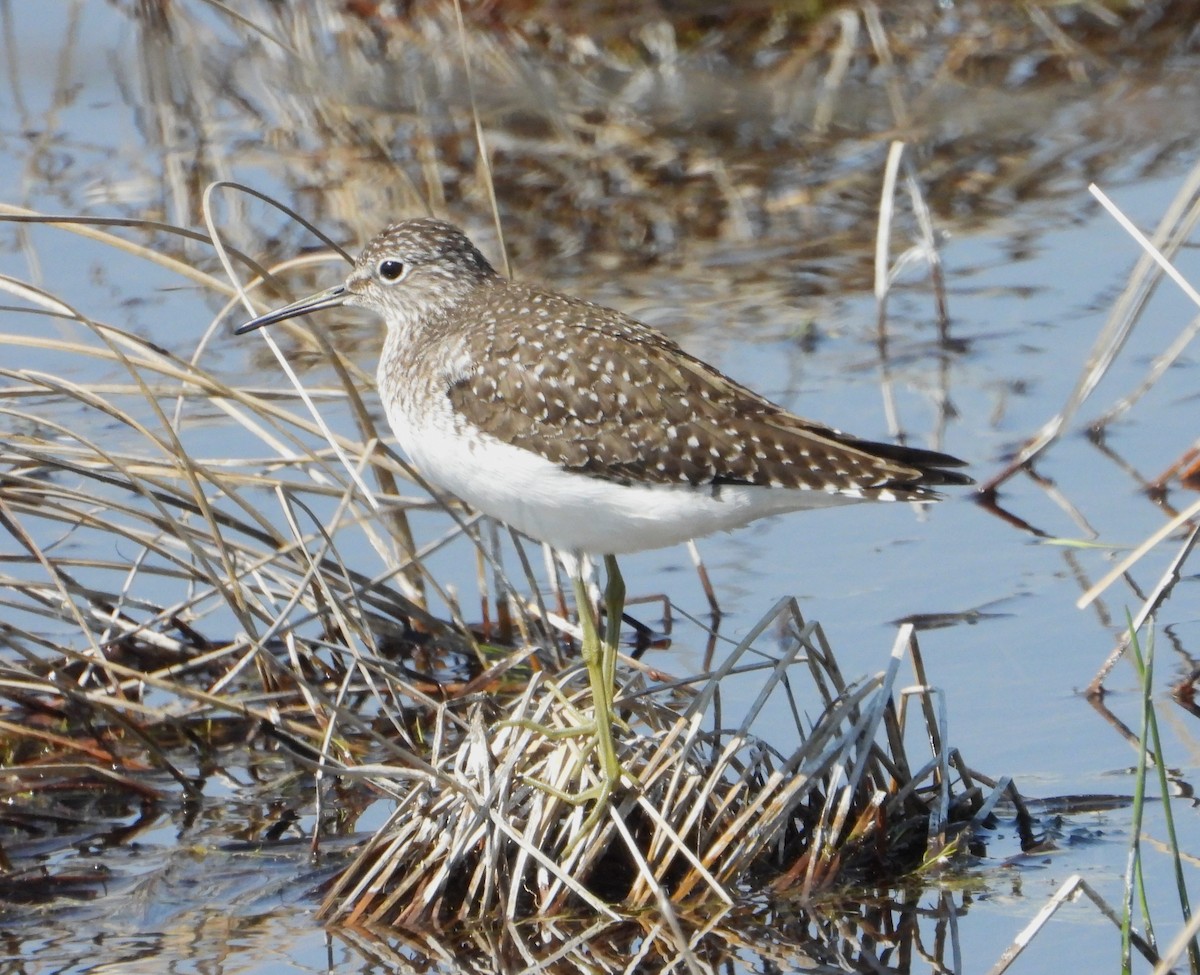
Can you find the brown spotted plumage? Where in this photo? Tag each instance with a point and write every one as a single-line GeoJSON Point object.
{"type": "Point", "coordinates": [596, 392]}
{"type": "Point", "coordinates": [572, 421]}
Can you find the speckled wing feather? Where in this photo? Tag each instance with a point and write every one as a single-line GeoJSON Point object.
{"type": "Point", "coordinates": [599, 393]}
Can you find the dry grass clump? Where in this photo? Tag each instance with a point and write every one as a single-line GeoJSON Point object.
{"type": "Point", "coordinates": [718, 810]}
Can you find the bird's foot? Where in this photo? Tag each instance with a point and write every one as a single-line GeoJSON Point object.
{"type": "Point", "coordinates": [597, 795]}
{"type": "Point", "coordinates": [607, 776]}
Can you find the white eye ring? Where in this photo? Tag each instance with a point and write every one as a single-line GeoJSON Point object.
{"type": "Point", "coordinates": [391, 270]}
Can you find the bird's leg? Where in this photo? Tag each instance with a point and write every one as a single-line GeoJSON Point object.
{"type": "Point", "coordinates": [600, 659]}
{"type": "Point", "coordinates": [614, 610]}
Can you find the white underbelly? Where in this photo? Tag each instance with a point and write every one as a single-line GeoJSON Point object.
{"type": "Point", "coordinates": [583, 514]}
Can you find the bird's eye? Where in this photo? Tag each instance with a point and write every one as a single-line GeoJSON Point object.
{"type": "Point", "coordinates": [391, 270]}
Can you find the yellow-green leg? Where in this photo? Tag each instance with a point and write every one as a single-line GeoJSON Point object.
{"type": "Point", "coordinates": [600, 659]}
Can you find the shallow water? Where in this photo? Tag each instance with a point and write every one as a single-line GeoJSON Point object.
{"type": "Point", "coordinates": [1033, 267]}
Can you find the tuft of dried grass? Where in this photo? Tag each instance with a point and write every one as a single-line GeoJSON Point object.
{"type": "Point", "coordinates": [715, 811]}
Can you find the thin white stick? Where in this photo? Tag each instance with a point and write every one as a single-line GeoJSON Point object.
{"type": "Point", "coordinates": [1115, 573]}
{"type": "Point", "coordinates": [1144, 242]}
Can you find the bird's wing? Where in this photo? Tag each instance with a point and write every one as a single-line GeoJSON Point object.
{"type": "Point", "coordinates": [621, 402]}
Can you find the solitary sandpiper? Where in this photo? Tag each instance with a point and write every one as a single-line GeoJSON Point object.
{"type": "Point", "coordinates": [586, 429]}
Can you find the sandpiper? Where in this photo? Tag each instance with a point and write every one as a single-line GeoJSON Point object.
{"type": "Point", "coordinates": [586, 429]}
